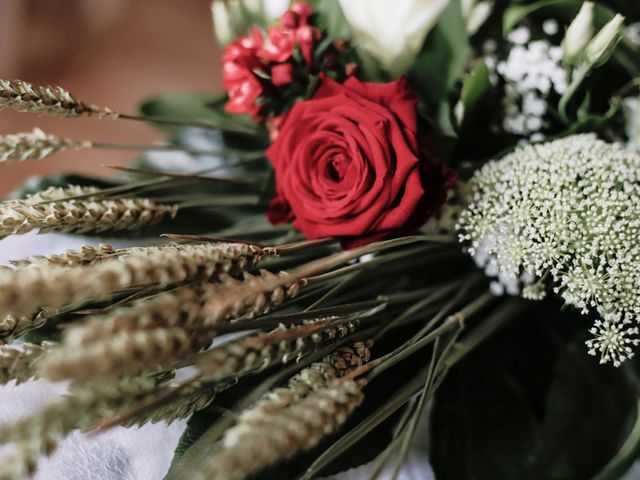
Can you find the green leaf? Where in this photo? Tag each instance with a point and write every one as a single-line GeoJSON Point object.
{"type": "Point", "coordinates": [587, 412]}
{"type": "Point", "coordinates": [440, 65]}
{"type": "Point", "coordinates": [474, 87]}
{"type": "Point", "coordinates": [196, 426]}
{"type": "Point", "coordinates": [531, 404]}
{"type": "Point", "coordinates": [194, 106]}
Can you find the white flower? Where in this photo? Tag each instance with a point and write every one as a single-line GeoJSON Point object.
{"type": "Point", "coordinates": [568, 212]}
{"type": "Point", "coordinates": [475, 13]}
{"type": "Point", "coordinates": [392, 32]}
{"type": "Point", "coordinates": [531, 73]}
{"type": "Point", "coordinates": [578, 34]}
{"type": "Point", "coordinates": [601, 47]}
{"type": "Point", "coordinates": [232, 18]}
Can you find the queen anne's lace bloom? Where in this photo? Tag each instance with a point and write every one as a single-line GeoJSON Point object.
{"type": "Point", "coordinates": [568, 212]}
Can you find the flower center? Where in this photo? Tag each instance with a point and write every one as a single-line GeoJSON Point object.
{"type": "Point", "coordinates": [336, 168]}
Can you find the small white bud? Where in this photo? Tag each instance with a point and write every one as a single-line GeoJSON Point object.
{"type": "Point", "coordinates": [578, 34]}
{"type": "Point", "coordinates": [601, 47]}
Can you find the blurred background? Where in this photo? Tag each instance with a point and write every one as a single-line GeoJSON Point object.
{"type": "Point", "coordinates": [106, 52]}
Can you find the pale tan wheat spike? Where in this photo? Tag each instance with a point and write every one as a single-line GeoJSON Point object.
{"type": "Point", "coordinates": [256, 352]}
{"type": "Point", "coordinates": [83, 409]}
{"type": "Point", "coordinates": [23, 291]}
{"type": "Point", "coordinates": [35, 145]}
{"type": "Point", "coordinates": [24, 97]}
{"type": "Point", "coordinates": [79, 215]}
{"type": "Point", "coordinates": [20, 364]}
{"type": "Point", "coordinates": [184, 402]}
{"type": "Point", "coordinates": [125, 353]}
{"type": "Point", "coordinates": [316, 376]}
{"type": "Point", "coordinates": [285, 433]}
{"type": "Point", "coordinates": [252, 296]}
{"type": "Point", "coordinates": [181, 308]}
{"type": "Point", "coordinates": [85, 255]}
{"type": "Point", "coordinates": [12, 327]}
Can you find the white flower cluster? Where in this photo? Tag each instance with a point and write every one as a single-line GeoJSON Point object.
{"type": "Point", "coordinates": [531, 73]}
{"type": "Point", "coordinates": [568, 212]}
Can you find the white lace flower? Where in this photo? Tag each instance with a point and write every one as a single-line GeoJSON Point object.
{"type": "Point", "coordinates": [567, 212]}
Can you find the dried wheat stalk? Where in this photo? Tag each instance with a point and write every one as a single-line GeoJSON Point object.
{"type": "Point", "coordinates": [39, 434]}
{"type": "Point", "coordinates": [12, 327]}
{"type": "Point", "coordinates": [184, 402]}
{"type": "Point", "coordinates": [251, 296]}
{"type": "Point", "coordinates": [24, 97]}
{"type": "Point", "coordinates": [125, 353]}
{"type": "Point", "coordinates": [286, 432]}
{"type": "Point", "coordinates": [258, 351]}
{"type": "Point", "coordinates": [23, 291]}
{"type": "Point", "coordinates": [52, 194]}
{"type": "Point", "coordinates": [20, 364]}
{"type": "Point", "coordinates": [316, 376]}
{"type": "Point", "coordinates": [35, 145]}
{"type": "Point", "coordinates": [86, 255]}
{"type": "Point", "coordinates": [180, 308]}
{"type": "Point", "coordinates": [79, 215]}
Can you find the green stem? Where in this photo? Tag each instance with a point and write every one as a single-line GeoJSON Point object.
{"type": "Point", "coordinates": [576, 81]}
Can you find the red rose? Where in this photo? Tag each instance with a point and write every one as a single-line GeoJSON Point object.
{"type": "Point", "coordinates": [348, 164]}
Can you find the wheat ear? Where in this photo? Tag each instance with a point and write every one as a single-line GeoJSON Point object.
{"type": "Point", "coordinates": [35, 145]}
{"type": "Point", "coordinates": [84, 256]}
{"type": "Point", "coordinates": [23, 291]}
{"type": "Point", "coordinates": [252, 296]}
{"type": "Point", "coordinates": [12, 327]}
{"type": "Point", "coordinates": [83, 408]}
{"type": "Point", "coordinates": [60, 214]}
{"type": "Point", "coordinates": [316, 376]}
{"type": "Point", "coordinates": [284, 433]}
{"type": "Point", "coordinates": [20, 364]}
{"type": "Point", "coordinates": [258, 351]}
{"type": "Point", "coordinates": [24, 97]}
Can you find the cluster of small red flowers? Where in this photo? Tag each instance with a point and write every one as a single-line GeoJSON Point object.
{"type": "Point", "coordinates": [255, 66]}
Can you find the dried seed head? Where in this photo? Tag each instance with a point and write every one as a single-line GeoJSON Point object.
{"type": "Point", "coordinates": [83, 408]}
{"type": "Point", "coordinates": [20, 364]}
{"type": "Point", "coordinates": [35, 145]}
{"type": "Point", "coordinates": [250, 297]}
{"type": "Point", "coordinates": [181, 308]}
{"type": "Point", "coordinates": [255, 352]}
{"type": "Point", "coordinates": [316, 376]}
{"type": "Point", "coordinates": [23, 291]}
{"type": "Point", "coordinates": [24, 97]}
{"type": "Point", "coordinates": [125, 353]}
{"type": "Point", "coordinates": [285, 433]}
{"type": "Point", "coordinates": [61, 214]}
{"type": "Point", "coordinates": [86, 255]}
{"type": "Point", "coordinates": [12, 327]}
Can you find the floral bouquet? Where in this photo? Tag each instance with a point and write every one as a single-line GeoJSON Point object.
{"type": "Point", "coordinates": [434, 203]}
